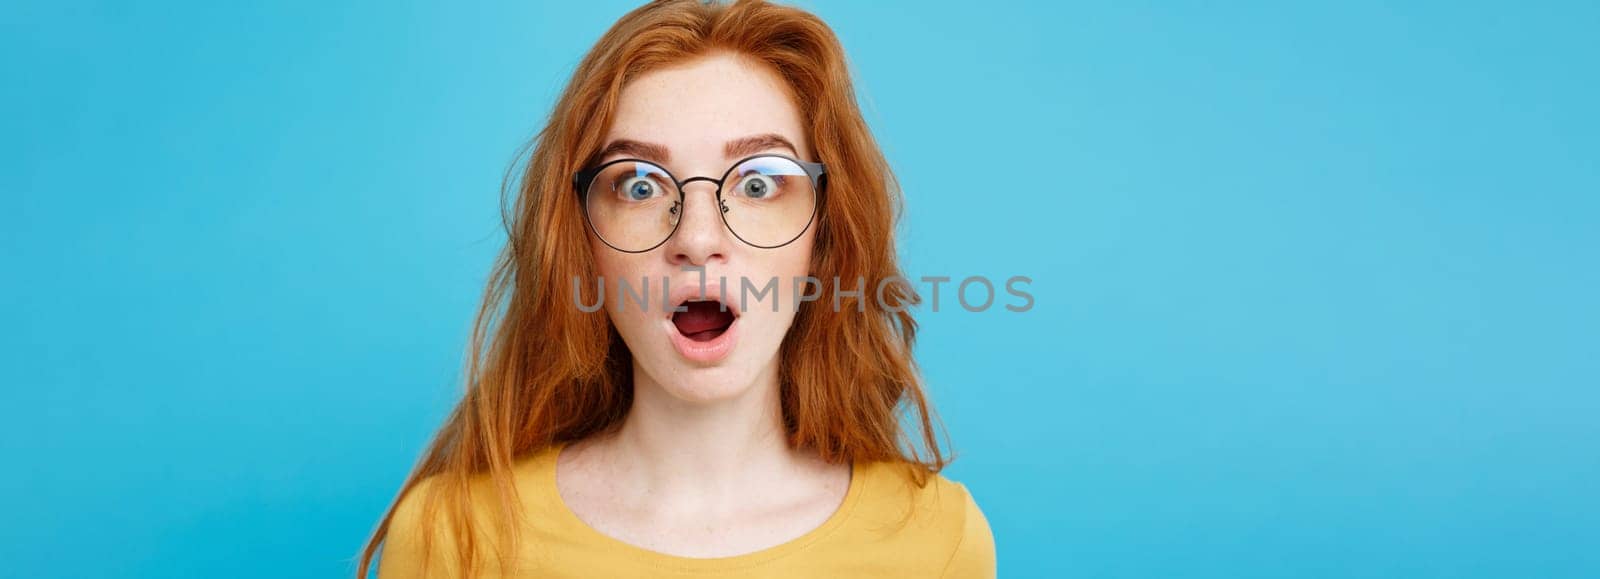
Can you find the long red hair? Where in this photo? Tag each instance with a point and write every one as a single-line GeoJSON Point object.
{"type": "Point", "coordinates": [541, 372]}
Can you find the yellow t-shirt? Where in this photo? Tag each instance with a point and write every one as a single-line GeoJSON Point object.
{"type": "Point", "coordinates": [947, 536]}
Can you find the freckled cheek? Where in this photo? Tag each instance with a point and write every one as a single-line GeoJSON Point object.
{"type": "Point", "coordinates": [788, 265]}
{"type": "Point", "coordinates": [798, 255]}
{"type": "Point", "coordinates": [617, 269]}
{"type": "Point", "coordinates": [609, 268]}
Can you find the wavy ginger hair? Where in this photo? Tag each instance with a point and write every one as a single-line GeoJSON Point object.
{"type": "Point", "coordinates": [542, 372]}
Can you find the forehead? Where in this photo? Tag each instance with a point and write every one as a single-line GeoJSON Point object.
{"type": "Point", "coordinates": [695, 107]}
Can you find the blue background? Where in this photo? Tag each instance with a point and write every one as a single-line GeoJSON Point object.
{"type": "Point", "coordinates": [1315, 284]}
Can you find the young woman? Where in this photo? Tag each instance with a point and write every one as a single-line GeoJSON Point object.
{"type": "Point", "coordinates": [633, 408]}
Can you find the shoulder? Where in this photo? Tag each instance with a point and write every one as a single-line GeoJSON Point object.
{"type": "Point", "coordinates": [418, 541]}
{"type": "Point", "coordinates": [422, 538]}
{"type": "Point", "coordinates": [974, 554]}
{"type": "Point", "coordinates": [939, 520]}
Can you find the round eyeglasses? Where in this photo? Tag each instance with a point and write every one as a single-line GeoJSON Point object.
{"type": "Point", "coordinates": [767, 201]}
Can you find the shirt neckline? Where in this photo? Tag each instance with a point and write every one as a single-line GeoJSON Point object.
{"type": "Point", "coordinates": [744, 560]}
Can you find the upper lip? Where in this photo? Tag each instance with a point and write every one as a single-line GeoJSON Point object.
{"type": "Point", "coordinates": [689, 290]}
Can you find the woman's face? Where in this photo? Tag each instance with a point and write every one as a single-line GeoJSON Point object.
{"type": "Point", "coordinates": [697, 119]}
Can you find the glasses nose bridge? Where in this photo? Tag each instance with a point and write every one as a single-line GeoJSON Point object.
{"type": "Point", "coordinates": [714, 188]}
{"type": "Point", "coordinates": [716, 184]}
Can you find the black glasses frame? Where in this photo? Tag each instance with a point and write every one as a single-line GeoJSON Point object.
{"type": "Point", "coordinates": [817, 172]}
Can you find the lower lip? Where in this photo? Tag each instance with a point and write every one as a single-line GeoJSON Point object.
{"type": "Point", "coordinates": [706, 352]}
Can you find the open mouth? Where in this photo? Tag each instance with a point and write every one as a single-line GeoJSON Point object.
{"type": "Point", "coordinates": [703, 320]}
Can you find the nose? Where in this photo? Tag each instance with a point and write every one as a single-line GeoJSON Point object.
{"type": "Point", "coordinates": [701, 236]}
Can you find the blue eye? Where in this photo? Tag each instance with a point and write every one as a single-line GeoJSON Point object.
{"type": "Point", "coordinates": [757, 186]}
{"type": "Point", "coordinates": [638, 188]}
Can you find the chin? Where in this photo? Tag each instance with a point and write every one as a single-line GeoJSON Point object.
{"type": "Point", "coordinates": [702, 384]}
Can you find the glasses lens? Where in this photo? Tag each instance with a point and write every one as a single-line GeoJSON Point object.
{"type": "Point", "coordinates": [768, 201]}
{"type": "Point", "coordinates": [632, 205]}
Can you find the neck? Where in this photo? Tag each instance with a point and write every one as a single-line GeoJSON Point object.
{"type": "Point", "coordinates": [702, 452]}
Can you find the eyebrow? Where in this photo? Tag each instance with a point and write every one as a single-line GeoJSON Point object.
{"type": "Point", "coordinates": [740, 147]}
{"type": "Point", "coordinates": [631, 148]}
{"type": "Point", "coordinates": [746, 146]}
